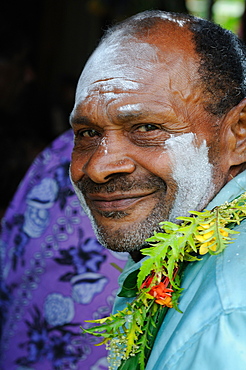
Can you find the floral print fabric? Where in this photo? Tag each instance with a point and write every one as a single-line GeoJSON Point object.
{"type": "Point", "coordinates": [54, 273]}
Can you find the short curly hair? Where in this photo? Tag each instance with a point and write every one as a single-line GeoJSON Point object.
{"type": "Point", "coordinates": [222, 70]}
{"type": "Point", "coordinates": [222, 65]}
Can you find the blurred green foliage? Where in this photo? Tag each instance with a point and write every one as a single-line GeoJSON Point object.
{"type": "Point", "coordinates": [227, 13]}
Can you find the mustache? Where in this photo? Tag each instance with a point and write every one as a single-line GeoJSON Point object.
{"type": "Point", "coordinates": [121, 184]}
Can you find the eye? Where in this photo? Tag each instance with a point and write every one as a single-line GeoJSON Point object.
{"type": "Point", "coordinates": [88, 133]}
{"type": "Point", "coordinates": [148, 134]}
{"type": "Point", "coordinates": [147, 127]}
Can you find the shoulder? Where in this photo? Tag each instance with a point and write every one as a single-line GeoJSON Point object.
{"type": "Point", "coordinates": [214, 315]}
{"type": "Point", "coordinates": [231, 272]}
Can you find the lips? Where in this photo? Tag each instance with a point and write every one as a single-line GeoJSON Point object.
{"type": "Point", "coordinates": [115, 202]}
{"type": "Point", "coordinates": [121, 194]}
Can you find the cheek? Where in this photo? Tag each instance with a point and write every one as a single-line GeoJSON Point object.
{"type": "Point", "coordinates": [76, 167]}
{"type": "Point", "coordinates": [157, 162]}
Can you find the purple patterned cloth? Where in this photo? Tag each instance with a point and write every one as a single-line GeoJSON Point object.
{"type": "Point", "coordinates": [54, 273]}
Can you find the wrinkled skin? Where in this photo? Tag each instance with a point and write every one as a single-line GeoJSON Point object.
{"type": "Point", "coordinates": [129, 103]}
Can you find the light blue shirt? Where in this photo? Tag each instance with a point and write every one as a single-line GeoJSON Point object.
{"type": "Point", "coordinates": [210, 334]}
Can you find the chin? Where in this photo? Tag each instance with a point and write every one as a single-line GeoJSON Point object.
{"type": "Point", "coordinates": [127, 237]}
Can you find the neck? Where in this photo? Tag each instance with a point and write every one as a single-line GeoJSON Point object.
{"type": "Point", "coordinates": [235, 170]}
{"type": "Point", "coordinates": [136, 255]}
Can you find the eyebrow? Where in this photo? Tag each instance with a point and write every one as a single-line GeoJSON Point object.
{"type": "Point", "coordinates": [81, 120]}
{"type": "Point", "coordinates": [131, 116]}
{"type": "Point", "coordinates": [123, 117]}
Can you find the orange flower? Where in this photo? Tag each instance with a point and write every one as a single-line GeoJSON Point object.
{"type": "Point", "coordinates": [167, 301]}
{"type": "Point", "coordinates": [162, 294]}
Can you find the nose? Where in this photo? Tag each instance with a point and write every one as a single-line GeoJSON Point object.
{"type": "Point", "coordinates": [109, 159]}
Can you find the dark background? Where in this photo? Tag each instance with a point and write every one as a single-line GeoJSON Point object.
{"type": "Point", "coordinates": [43, 48]}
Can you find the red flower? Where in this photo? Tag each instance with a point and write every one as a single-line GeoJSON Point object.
{"type": "Point", "coordinates": [161, 292]}
{"type": "Point", "coordinates": [147, 281]}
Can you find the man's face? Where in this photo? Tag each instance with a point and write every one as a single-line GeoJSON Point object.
{"type": "Point", "coordinates": [144, 145]}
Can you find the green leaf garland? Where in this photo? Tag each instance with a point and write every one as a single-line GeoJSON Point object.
{"type": "Point", "coordinates": [156, 286]}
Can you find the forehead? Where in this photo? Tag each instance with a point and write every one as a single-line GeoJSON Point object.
{"type": "Point", "coordinates": [121, 66]}
{"type": "Point", "coordinates": [130, 64]}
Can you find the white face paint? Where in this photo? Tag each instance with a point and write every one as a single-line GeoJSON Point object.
{"type": "Point", "coordinates": [108, 70]}
{"type": "Point", "coordinates": [125, 78]}
{"type": "Point", "coordinates": [104, 145]}
{"type": "Point", "coordinates": [193, 175]}
{"type": "Point", "coordinates": [192, 172]}
{"type": "Point", "coordinates": [131, 108]}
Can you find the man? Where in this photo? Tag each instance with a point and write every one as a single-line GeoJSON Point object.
{"type": "Point", "coordinates": [160, 129]}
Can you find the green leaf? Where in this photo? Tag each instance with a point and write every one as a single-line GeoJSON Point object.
{"type": "Point", "coordinates": [129, 288]}
{"type": "Point", "coordinates": [132, 363]}
{"type": "Point", "coordinates": [132, 335]}
{"type": "Point", "coordinates": [107, 328]}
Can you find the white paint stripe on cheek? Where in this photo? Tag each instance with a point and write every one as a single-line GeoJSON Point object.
{"type": "Point", "coordinates": [192, 172]}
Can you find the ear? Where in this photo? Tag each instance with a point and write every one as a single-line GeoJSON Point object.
{"type": "Point", "coordinates": [235, 121]}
